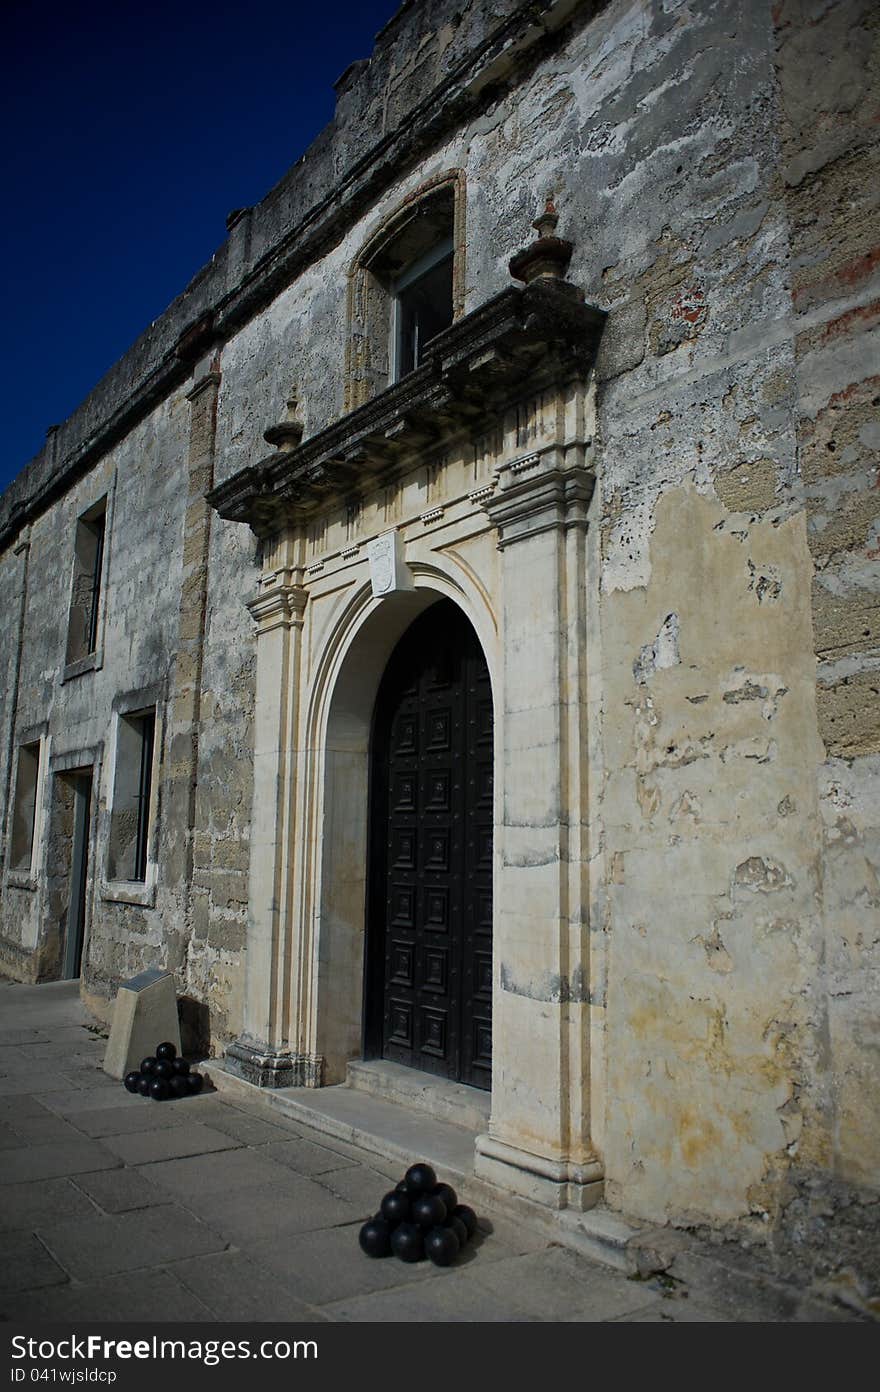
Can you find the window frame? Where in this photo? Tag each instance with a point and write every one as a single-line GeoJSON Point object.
{"type": "Point", "coordinates": [23, 874]}
{"type": "Point", "coordinates": [141, 889]}
{"type": "Point", "coordinates": [88, 661]}
{"type": "Point", "coordinates": [371, 338]}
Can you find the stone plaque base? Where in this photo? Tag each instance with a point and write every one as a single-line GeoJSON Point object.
{"type": "Point", "coordinates": [145, 1014]}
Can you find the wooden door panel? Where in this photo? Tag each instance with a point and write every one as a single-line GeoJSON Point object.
{"type": "Point", "coordinates": [430, 935]}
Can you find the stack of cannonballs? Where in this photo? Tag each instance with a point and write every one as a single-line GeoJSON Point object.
{"type": "Point", "coordinates": [418, 1219]}
{"type": "Point", "coordinates": [164, 1076]}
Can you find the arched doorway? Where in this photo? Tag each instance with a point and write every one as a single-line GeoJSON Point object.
{"type": "Point", "coordinates": [428, 999]}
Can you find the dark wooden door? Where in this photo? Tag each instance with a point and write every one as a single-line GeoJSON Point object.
{"type": "Point", "coordinates": [429, 959]}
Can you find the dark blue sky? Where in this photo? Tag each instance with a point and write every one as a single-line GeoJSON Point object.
{"type": "Point", "coordinates": [130, 132]}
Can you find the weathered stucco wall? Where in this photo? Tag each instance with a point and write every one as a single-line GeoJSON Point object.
{"type": "Point", "coordinates": [715, 164]}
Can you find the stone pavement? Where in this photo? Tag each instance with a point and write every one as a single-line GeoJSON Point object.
{"type": "Point", "coordinates": [114, 1207]}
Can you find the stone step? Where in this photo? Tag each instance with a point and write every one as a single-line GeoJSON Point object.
{"type": "Point", "coordinates": [421, 1092]}
{"type": "Point", "coordinates": [403, 1134]}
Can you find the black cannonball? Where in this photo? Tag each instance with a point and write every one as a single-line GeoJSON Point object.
{"type": "Point", "coordinates": [428, 1211]}
{"type": "Point", "coordinates": [163, 1069]}
{"type": "Point", "coordinates": [177, 1084]}
{"type": "Point", "coordinates": [147, 1066]}
{"type": "Point", "coordinates": [180, 1065]}
{"type": "Point", "coordinates": [447, 1194]}
{"type": "Point", "coordinates": [167, 1052]}
{"type": "Point", "coordinates": [144, 1084]}
{"type": "Point", "coordinates": [375, 1238]}
{"type": "Point", "coordinates": [419, 1178]}
{"type": "Point", "coordinates": [458, 1228]}
{"type": "Point", "coordinates": [467, 1216]}
{"type": "Point", "coordinates": [395, 1207]}
{"type": "Point", "coordinates": [400, 1186]}
{"type": "Point", "coordinates": [194, 1083]}
{"type": "Point", "coordinates": [159, 1089]}
{"type": "Point", "coordinates": [132, 1080]}
{"type": "Point", "coordinates": [442, 1246]}
{"type": "Point", "coordinates": [408, 1242]}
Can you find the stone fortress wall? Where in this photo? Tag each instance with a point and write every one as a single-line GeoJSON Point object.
{"type": "Point", "coordinates": [715, 165]}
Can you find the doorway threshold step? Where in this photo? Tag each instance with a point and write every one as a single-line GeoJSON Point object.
{"type": "Point", "coordinates": [422, 1092]}
{"type": "Point", "coordinates": [399, 1133]}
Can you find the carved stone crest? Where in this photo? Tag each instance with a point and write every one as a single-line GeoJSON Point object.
{"type": "Point", "coordinates": [388, 569]}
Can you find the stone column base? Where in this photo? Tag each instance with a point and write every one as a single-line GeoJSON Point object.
{"type": "Point", "coordinates": [556, 1183]}
{"type": "Point", "coordinates": [267, 1067]}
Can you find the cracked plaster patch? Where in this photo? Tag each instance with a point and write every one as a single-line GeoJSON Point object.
{"type": "Point", "coordinates": [660, 654]}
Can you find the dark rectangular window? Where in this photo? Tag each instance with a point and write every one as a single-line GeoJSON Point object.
{"type": "Point", "coordinates": [24, 808]}
{"type": "Point", "coordinates": [424, 309]}
{"type": "Point", "coordinates": [85, 599]}
{"type": "Point", "coordinates": [422, 305]}
{"type": "Point", "coordinates": [132, 797]}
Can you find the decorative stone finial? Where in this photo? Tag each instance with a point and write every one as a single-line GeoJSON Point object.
{"type": "Point", "coordinates": [548, 256]}
{"type": "Point", "coordinates": [545, 223]}
{"type": "Point", "coordinates": [287, 434]}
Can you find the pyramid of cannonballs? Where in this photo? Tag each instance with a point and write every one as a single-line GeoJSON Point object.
{"type": "Point", "coordinates": [418, 1219]}
{"type": "Point", "coordinates": [164, 1076]}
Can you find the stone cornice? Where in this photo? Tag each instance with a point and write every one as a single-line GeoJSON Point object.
{"type": "Point", "coordinates": [517, 344]}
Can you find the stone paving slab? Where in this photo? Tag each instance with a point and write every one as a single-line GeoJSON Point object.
{"type": "Point", "coordinates": [143, 1116]}
{"type": "Point", "coordinates": [69, 1103]}
{"type": "Point", "coordinates": [251, 1130]}
{"type": "Point", "coordinates": [50, 1161]}
{"type": "Point", "coordinates": [22, 1106]}
{"type": "Point", "coordinates": [41, 1203]}
{"type": "Point", "coordinates": [45, 1130]}
{"type": "Point", "coordinates": [224, 1173]}
{"type": "Point", "coordinates": [236, 1288]}
{"type": "Point", "coordinates": [306, 1157]}
{"type": "Point", "coordinates": [327, 1264]}
{"type": "Point", "coordinates": [173, 1142]}
{"type": "Point", "coordinates": [25, 1264]}
{"type": "Point", "coordinates": [360, 1185]}
{"type": "Point", "coordinates": [247, 1213]}
{"type": "Point", "coordinates": [119, 1191]}
{"type": "Point", "coordinates": [673, 1310]}
{"type": "Point", "coordinates": [83, 1054]}
{"type": "Point", "coordinates": [156, 1295]}
{"type": "Point", "coordinates": [558, 1284]}
{"type": "Point", "coordinates": [458, 1301]}
{"type": "Point", "coordinates": [23, 1036]}
{"type": "Point", "coordinates": [9, 1139]}
{"type": "Point", "coordinates": [89, 1248]}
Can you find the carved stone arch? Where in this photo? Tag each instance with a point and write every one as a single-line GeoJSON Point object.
{"type": "Point", "coordinates": [367, 365]}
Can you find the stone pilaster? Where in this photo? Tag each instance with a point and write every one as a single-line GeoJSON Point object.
{"type": "Point", "coordinates": [539, 1141]}
{"type": "Point", "coordinates": [265, 1053]}
{"type": "Point", "coordinates": [181, 782]}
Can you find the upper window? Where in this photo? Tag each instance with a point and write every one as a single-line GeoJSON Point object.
{"type": "Point", "coordinates": [405, 288]}
{"type": "Point", "coordinates": [421, 306]}
{"type": "Point", "coordinates": [24, 808]}
{"type": "Point", "coordinates": [132, 797]}
{"type": "Point", "coordinates": [85, 598]}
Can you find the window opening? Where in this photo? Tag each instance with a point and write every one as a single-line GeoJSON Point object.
{"type": "Point", "coordinates": [24, 811]}
{"type": "Point", "coordinates": [82, 632]}
{"type": "Point", "coordinates": [132, 796]}
{"type": "Point", "coordinates": [421, 306]}
{"type": "Point", "coordinates": [148, 733]}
